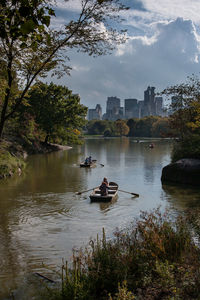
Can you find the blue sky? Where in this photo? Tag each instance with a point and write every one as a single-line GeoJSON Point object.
{"type": "Point", "coordinates": [162, 50]}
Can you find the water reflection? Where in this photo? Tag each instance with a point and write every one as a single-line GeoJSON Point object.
{"type": "Point", "coordinates": [42, 219]}
{"type": "Point", "coordinates": [182, 197]}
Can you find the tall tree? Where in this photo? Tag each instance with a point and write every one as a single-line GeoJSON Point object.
{"type": "Point", "coordinates": [31, 47]}
{"type": "Point", "coordinates": [56, 109]}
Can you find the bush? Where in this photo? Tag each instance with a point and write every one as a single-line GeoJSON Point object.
{"type": "Point", "coordinates": [155, 258]}
{"type": "Point", "coordinates": [189, 147]}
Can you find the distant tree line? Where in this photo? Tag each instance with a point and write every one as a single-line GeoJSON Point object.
{"type": "Point", "coordinates": [152, 126]}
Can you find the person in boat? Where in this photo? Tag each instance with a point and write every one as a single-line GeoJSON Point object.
{"type": "Point", "coordinates": [90, 159]}
{"type": "Point", "coordinates": [87, 161]}
{"type": "Point", "coordinates": [104, 187]}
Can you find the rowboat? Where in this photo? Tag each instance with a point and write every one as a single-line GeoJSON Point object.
{"type": "Point", "coordinates": [151, 145]}
{"type": "Point", "coordinates": [91, 165]}
{"type": "Point", "coordinates": [96, 196]}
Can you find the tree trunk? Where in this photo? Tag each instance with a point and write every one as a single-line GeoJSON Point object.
{"type": "Point", "coordinates": [3, 113]}
{"type": "Point", "coordinates": [46, 139]}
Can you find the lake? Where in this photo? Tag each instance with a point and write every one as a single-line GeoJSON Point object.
{"type": "Point", "coordinates": [42, 219]}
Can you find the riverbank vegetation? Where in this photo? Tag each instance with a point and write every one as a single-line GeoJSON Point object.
{"type": "Point", "coordinates": [152, 126]}
{"type": "Point", "coordinates": [50, 114]}
{"type": "Point", "coordinates": [154, 258]}
{"type": "Point", "coordinates": [31, 47]}
{"type": "Point", "coordinates": [185, 118]}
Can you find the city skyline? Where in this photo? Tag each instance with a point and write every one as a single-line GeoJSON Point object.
{"type": "Point", "coordinates": [162, 49]}
{"type": "Point", "coordinates": [151, 104]}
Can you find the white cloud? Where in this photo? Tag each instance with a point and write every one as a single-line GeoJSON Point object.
{"type": "Point", "coordinates": [69, 5]}
{"type": "Point", "coordinates": [165, 59]}
{"type": "Point", "coordinates": [171, 9]}
{"type": "Point", "coordinates": [162, 50]}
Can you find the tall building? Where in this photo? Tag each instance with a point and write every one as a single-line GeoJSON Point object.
{"type": "Point", "coordinates": [131, 108]}
{"type": "Point", "coordinates": [149, 108]}
{"type": "Point", "coordinates": [96, 113]}
{"type": "Point", "coordinates": [159, 106]}
{"type": "Point", "coordinates": [113, 109]}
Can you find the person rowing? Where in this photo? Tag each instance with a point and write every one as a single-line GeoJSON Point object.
{"type": "Point", "coordinates": [104, 187]}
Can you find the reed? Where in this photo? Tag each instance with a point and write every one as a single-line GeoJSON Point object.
{"type": "Point", "coordinates": [154, 258]}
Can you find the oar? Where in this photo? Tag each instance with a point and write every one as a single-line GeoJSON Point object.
{"type": "Point", "coordinates": [79, 193]}
{"type": "Point", "coordinates": [95, 160]}
{"type": "Point", "coordinates": [134, 194]}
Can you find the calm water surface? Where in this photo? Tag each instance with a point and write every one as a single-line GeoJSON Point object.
{"type": "Point", "coordinates": [42, 219]}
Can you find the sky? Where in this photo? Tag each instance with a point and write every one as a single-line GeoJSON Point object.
{"type": "Point", "coordinates": [163, 49]}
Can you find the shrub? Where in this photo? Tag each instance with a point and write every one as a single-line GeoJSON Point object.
{"type": "Point", "coordinates": [189, 147]}
{"type": "Point", "coordinates": [155, 258]}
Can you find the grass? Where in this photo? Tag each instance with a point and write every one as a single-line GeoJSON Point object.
{"type": "Point", "coordinates": [9, 161]}
{"type": "Point", "coordinates": [155, 258]}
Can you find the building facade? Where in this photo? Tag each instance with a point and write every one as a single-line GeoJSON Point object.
{"type": "Point", "coordinates": [131, 108]}
{"type": "Point", "coordinates": [95, 114]}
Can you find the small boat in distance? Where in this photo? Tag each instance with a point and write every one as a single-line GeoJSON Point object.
{"type": "Point", "coordinates": [96, 196]}
{"type": "Point", "coordinates": [151, 145]}
{"type": "Point", "coordinates": [88, 165]}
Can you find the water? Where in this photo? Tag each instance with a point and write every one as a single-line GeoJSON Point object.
{"type": "Point", "coordinates": [42, 219]}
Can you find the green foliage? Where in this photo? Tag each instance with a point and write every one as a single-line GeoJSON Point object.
{"type": "Point", "coordinates": [57, 112]}
{"type": "Point", "coordinates": [9, 163]}
{"type": "Point", "coordinates": [146, 127]}
{"type": "Point", "coordinates": [160, 128]}
{"type": "Point", "coordinates": [96, 127]}
{"type": "Point", "coordinates": [155, 258]}
{"type": "Point", "coordinates": [185, 107]}
{"type": "Point", "coordinates": [189, 147]}
{"type": "Point", "coordinates": [152, 126]}
{"type": "Point", "coordinates": [30, 47]}
{"type": "Point", "coordinates": [185, 120]}
{"type": "Point", "coordinates": [101, 127]}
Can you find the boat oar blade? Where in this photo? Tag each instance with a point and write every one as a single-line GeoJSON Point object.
{"type": "Point", "coordinates": [134, 194]}
{"type": "Point", "coordinates": [78, 193]}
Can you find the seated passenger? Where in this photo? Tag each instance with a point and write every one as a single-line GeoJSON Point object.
{"type": "Point", "coordinates": [87, 161]}
{"type": "Point", "coordinates": [104, 187]}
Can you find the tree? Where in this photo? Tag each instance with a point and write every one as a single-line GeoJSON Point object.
{"type": "Point", "coordinates": [131, 124]}
{"type": "Point", "coordinates": [56, 110]}
{"type": "Point", "coordinates": [121, 128]}
{"type": "Point", "coordinates": [97, 126]}
{"type": "Point", "coordinates": [31, 48]}
{"type": "Point", "coordinates": [185, 107]}
{"type": "Point", "coordinates": [185, 119]}
{"type": "Point", "coordinates": [160, 128]}
{"type": "Point", "coordinates": [143, 126]}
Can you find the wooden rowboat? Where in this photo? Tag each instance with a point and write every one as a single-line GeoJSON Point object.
{"type": "Point", "coordinates": [95, 196]}
{"type": "Point", "coordinates": [91, 165]}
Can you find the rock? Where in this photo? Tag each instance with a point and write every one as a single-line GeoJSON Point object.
{"type": "Point", "coordinates": [183, 171]}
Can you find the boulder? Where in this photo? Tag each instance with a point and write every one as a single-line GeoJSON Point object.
{"type": "Point", "coordinates": [183, 171]}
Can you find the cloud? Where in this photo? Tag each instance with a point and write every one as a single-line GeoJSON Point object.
{"type": "Point", "coordinates": [162, 50]}
{"type": "Point", "coordinates": [164, 59]}
{"type": "Point", "coordinates": [171, 9]}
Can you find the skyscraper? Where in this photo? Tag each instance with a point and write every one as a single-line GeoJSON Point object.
{"type": "Point", "coordinates": [131, 108]}
{"type": "Point", "coordinates": [113, 110]}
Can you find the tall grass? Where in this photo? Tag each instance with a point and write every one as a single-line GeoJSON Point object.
{"type": "Point", "coordinates": [155, 258]}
